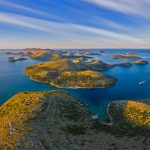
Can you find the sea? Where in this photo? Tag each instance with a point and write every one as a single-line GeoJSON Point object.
{"type": "Point", "coordinates": [133, 82]}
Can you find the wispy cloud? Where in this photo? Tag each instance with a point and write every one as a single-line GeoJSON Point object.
{"type": "Point", "coordinates": [64, 29]}
{"type": "Point", "coordinates": [31, 10]}
{"type": "Point", "coordinates": [130, 7]}
{"type": "Point", "coordinates": [107, 23]}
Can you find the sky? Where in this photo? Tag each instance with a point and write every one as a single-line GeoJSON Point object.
{"type": "Point", "coordinates": [74, 24]}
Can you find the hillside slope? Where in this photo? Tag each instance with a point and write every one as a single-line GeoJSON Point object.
{"type": "Point", "coordinates": [131, 112]}
{"type": "Point", "coordinates": [55, 120]}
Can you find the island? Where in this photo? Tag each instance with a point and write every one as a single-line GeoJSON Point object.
{"type": "Point", "coordinates": [49, 54]}
{"type": "Point", "coordinates": [12, 59]}
{"type": "Point", "coordinates": [141, 62]}
{"type": "Point", "coordinates": [120, 56]}
{"type": "Point", "coordinates": [32, 53]}
{"type": "Point", "coordinates": [98, 65]}
{"type": "Point", "coordinates": [124, 64]}
{"type": "Point", "coordinates": [68, 74]}
{"type": "Point", "coordinates": [19, 53]}
{"type": "Point", "coordinates": [41, 54]}
{"type": "Point", "coordinates": [56, 120]}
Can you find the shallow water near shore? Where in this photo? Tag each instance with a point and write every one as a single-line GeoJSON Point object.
{"type": "Point", "coordinates": [12, 81]}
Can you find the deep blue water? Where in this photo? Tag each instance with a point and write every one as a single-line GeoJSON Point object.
{"type": "Point", "coordinates": [12, 81]}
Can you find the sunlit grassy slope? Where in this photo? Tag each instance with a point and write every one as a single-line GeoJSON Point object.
{"type": "Point", "coordinates": [131, 112]}
{"type": "Point", "coordinates": [137, 113]}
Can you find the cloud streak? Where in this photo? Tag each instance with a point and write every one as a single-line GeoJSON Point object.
{"type": "Point", "coordinates": [63, 29]}
{"type": "Point", "coordinates": [23, 8]}
{"type": "Point", "coordinates": [132, 7]}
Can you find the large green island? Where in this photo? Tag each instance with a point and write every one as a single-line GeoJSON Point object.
{"type": "Point", "coordinates": [68, 74]}
{"type": "Point", "coordinates": [56, 120]}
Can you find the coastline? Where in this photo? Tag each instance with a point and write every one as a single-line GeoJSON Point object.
{"type": "Point", "coordinates": [110, 117]}
{"type": "Point", "coordinates": [107, 109]}
{"type": "Point", "coordinates": [57, 86]}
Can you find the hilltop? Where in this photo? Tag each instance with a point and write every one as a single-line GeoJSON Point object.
{"type": "Point", "coordinates": [98, 65]}
{"type": "Point", "coordinates": [55, 120]}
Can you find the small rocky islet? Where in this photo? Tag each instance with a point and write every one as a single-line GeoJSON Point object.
{"type": "Point", "coordinates": [12, 59]}
{"type": "Point", "coordinates": [141, 62]}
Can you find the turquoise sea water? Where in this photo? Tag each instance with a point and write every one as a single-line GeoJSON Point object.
{"type": "Point", "coordinates": [12, 81]}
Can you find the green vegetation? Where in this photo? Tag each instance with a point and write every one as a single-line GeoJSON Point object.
{"type": "Point", "coordinates": [84, 79]}
{"type": "Point", "coordinates": [130, 112]}
{"type": "Point", "coordinates": [65, 73]}
{"type": "Point", "coordinates": [137, 113]}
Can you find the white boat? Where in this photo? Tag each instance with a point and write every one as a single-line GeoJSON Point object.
{"type": "Point", "coordinates": [142, 82]}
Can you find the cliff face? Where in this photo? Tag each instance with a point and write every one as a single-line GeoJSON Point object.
{"type": "Point", "coordinates": [55, 120]}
